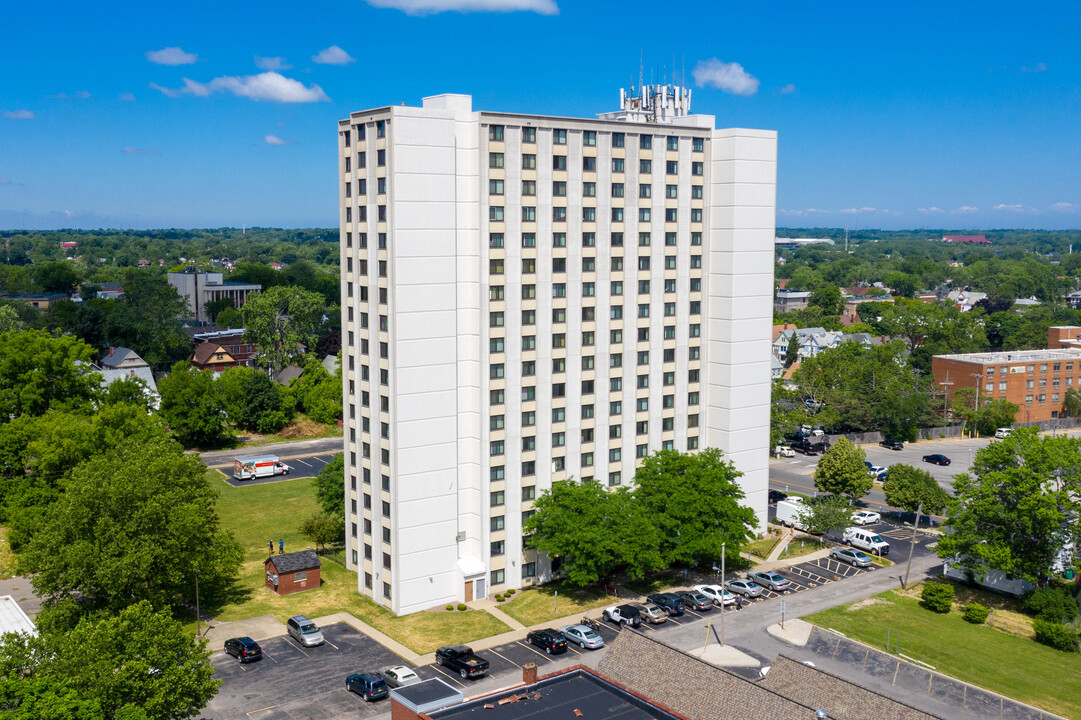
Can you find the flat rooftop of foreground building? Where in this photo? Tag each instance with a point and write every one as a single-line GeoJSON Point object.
{"type": "Point", "coordinates": [576, 693]}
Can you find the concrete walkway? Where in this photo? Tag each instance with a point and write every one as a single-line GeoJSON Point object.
{"type": "Point", "coordinates": [491, 607]}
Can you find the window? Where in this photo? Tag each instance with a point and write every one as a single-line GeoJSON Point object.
{"type": "Point", "coordinates": [559, 188]}
{"type": "Point", "coordinates": [668, 402]}
{"type": "Point", "coordinates": [697, 144]}
{"type": "Point", "coordinates": [643, 262]}
{"type": "Point", "coordinates": [615, 455]}
{"type": "Point", "coordinates": [529, 266]}
{"type": "Point", "coordinates": [589, 314]}
{"type": "Point", "coordinates": [495, 397]}
{"type": "Point", "coordinates": [618, 140]}
{"type": "Point", "coordinates": [559, 340]}
{"type": "Point", "coordinates": [559, 214]}
{"type": "Point", "coordinates": [670, 261]}
{"type": "Point", "coordinates": [589, 164]}
{"type": "Point", "coordinates": [529, 317]}
{"type": "Point", "coordinates": [497, 577]}
{"type": "Point", "coordinates": [645, 167]}
{"type": "Point", "coordinates": [529, 368]}
{"type": "Point", "coordinates": [559, 162]}
{"type": "Point", "coordinates": [498, 547]}
{"type": "Point", "coordinates": [615, 337]}
{"type": "Point", "coordinates": [669, 309]}
{"type": "Point", "coordinates": [559, 315]}
{"type": "Point", "coordinates": [529, 162]}
{"type": "Point", "coordinates": [617, 266]}
{"type": "Point", "coordinates": [617, 190]}
{"type": "Point", "coordinates": [497, 498]}
{"type": "Point", "coordinates": [495, 187]}
{"type": "Point", "coordinates": [589, 214]}
{"type": "Point", "coordinates": [495, 372]}
{"type": "Point", "coordinates": [497, 523]}
{"type": "Point", "coordinates": [529, 135]}
{"type": "Point", "coordinates": [529, 492]}
{"type": "Point", "coordinates": [529, 342]}
{"type": "Point", "coordinates": [696, 285]}
{"type": "Point", "coordinates": [589, 189]}
{"type": "Point", "coordinates": [696, 215]}
{"type": "Point", "coordinates": [645, 190]}
{"type": "Point", "coordinates": [671, 215]}
{"type": "Point", "coordinates": [616, 312]}
{"type": "Point", "coordinates": [615, 408]}
{"type": "Point", "coordinates": [587, 387]}
{"type": "Point", "coordinates": [559, 137]}
{"type": "Point", "coordinates": [495, 240]}
{"type": "Point", "coordinates": [643, 310]}
{"type": "Point", "coordinates": [671, 167]}
{"type": "Point", "coordinates": [617, 214]}
{"type": "Point", "coordinates": [696, 192]}
{"type": "Point", "coordinates": [496, 447]}
{"type": "Point", "coordinates": [380, 157]}
{"type": "Point", "coordinates": [697, 169]}
{"type": "Point", "coordinates": [587, 412]}
{"type": "Point", "coordinates": [614, 478]}
{"type": "Point", "coordinates": [559, 239]}
{"type": "Point", "coordinates": [696, 307]}
{"type": "Point", "coordinates": [529, 187]}
{"type": "Point", "coordinates": [617, 239]}
{"type": "Point", "coordinates": [495, 160]}
{"type": "Point", "coordinates": [559, 439]}
{"type": "Point", "coordinates": [617, 166]}
{"type": "Point", "coordinates": [529, 393]}
{"type": "Point", "coordinates": [643, 382]}
{"type": "Point", "coordinates": [559, 265]}
{"type": "Point", "coordinates": [495, 213]}
{"type": "Point", "coordinates": [615, 384]}
{"type": "Point", "coordinates": [587, 361]}
{"type": "Point", "coordinates": [589, 138]}
{"type": "Point", "coordinates": [588, 340]}
{"type": "Point", "coordinates": [495, 319]}
{"type": "Point", "coordinates": [642, 405]}
{"type": "Point", "coordinates": [495, 132]}
{"type": "Point", "coordinates": [692, 398]}
{"type": "Point", "coordinates": [529, 442]}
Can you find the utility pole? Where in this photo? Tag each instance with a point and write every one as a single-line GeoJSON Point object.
{"type": "Point", "coordinates": [946, 396]}
{"type": "Point", "coordinates": [722, 594]}
{"type": "Point", "coordinates": [912, 545]}
{"type": "Point", "coordinates": [978, 377]}
{"type": "Point", "coordinates": [198, 632]}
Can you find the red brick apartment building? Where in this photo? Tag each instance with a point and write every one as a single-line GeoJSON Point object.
{"type": "Point", "coordinates": [1034, 380]}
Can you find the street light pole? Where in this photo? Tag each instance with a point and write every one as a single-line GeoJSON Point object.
{"type": "Point", "coordinates": [722, 594]}
{"type": "Point", "coordinates": [197, 629]}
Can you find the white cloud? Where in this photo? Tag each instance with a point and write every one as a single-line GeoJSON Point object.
{"type": "Point", "coordinates": [1037, 68]}
{"type": "Point", "coordinates": [424, 7]}
{"type": "Point", "coordinates": [80, 95]}
{"type": "Point", "coordinates": [811, 211]}
{"type": "Point", "coordinates": [858, 211]}
{"type": "Point", "coordinates": [1063, 207]}
{"type": "Point", "coordinates": [171, 56]}
{"type": "Point", "coordinates": [138, 151]}
{"type": "Point", "coordinates": [275, 140]}
{"type": "Point", "coordinates": [1011, 208]}
{"type": "Point", "coordinates": [271, 63]}
{"type": "Point", "coordinates": [788, 89]}
{"type": "Point", "coordinates": [730, 77]}
{"type": "Point", "coordinates": [126, 97]}
{"type": "Point", "coordinates": [931, 209]}
{"type": "Point", "coordinates": [18, 115]}
{"type": "Point", "coordinates": [268, 86]}
{"type": "Point", "coordinates": [333, 55]}
{"type": "Point", "coordinates": [782, 211]}
{"type": "Point", "coordinates": [965, 210]}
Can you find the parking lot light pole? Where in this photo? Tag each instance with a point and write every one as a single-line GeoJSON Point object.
{"type": "Point", "coordinates": [912, 545]}
{"type": "Point", "coordinates": [722, 594]}
{"type": "Point", "coordinates": [197, 630]}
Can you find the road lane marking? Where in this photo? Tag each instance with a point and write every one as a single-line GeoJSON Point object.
{"type": "Point", "coordinates": [505, 658]}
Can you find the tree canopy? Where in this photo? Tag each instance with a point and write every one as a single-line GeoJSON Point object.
{"type": "Point", "coordinates": [192, 405]}
{"type": "Point", "coordinates": [910, 488]}
{"type": "Point", "coordinates": [280, 320]}
{"type": "Point", "coordinates": [1017, 508]}
{"type": "Point", "coordinates": [842, 470]}
{"type": "Point", "coordinates": [39, 372]}
{"type": "Point", "coordinates": [133, 524]}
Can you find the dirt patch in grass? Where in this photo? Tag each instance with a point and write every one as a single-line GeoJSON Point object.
{"type": "Point", "coordinates": [8, 562]}
{"type": "Point", "coordinates": [658, 582]}
{"type": "Point", "coordinates": [867, 602]}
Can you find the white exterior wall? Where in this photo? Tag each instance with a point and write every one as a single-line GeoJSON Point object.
{"type": "Point", "coordinates": [439, 304]}
{"type": "Point", "coordinates": [743, 175]}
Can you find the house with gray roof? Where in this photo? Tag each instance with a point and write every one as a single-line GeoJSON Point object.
{"type": "Point", "coordinates": [288, 573]}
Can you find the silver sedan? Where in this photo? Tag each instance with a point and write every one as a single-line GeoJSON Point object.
{"type": "Point", "coordinates": [582, 636]}
{"type": "Point", "coordinates": [746, 588]}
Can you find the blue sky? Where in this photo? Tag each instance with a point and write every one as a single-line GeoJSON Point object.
{"type": "Point", "coordinates": [198, 114]}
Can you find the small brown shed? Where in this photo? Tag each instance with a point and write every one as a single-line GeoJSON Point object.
{"type": "Point", "coordinates": [292, 572]}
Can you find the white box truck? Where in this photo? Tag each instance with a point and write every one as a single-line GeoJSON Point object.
{"type": "Point", "coordinates": [788, 513]}
{"type": "Point", "coordinates": [258, 466]}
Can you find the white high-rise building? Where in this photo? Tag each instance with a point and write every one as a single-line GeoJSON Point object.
{"type": "Point", "coordinates": [529, 298]}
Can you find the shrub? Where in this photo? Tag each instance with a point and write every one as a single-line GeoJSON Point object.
{"type": "Point", "coordinates": [498, 597]}
{"type": "Point", "coordinates": [937, 597]}
{"type": "Point", "coordinates": [1054, 604]}
{"type": "Point", "coordinates": [462, 606]}
{"type": "Point", "coordinates": [976, 613]}
{"type": "Point", "coordinates": [1054, 635]}
{"type": "Point", "coordinates": [450, 607]}
{"type": "Point", "coordinates": [509, 592]}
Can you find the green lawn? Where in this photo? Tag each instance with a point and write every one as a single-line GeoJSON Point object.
{"type": "Point", "coordinates": [762, 548]}
{"type": "Point", "coordinates": [1010, 665]}
{"type": "Point", "coordinates": [274, 511]}
{"type": "Point", "coordinates": [531, 607]}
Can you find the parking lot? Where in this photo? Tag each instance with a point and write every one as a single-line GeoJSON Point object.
{"type": "Point", "coordinates": [296, 683]}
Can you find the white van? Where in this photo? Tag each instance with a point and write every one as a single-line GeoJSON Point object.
{"type": "Point", "coordinates": [866, 540]}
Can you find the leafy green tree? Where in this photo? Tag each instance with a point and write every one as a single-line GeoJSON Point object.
{"type": "Point", "coordinates": [192, 406]}
{"type": "Point", "coordinates": [56, 277]}
{"type": "Point", "coordinates": [841, 470]}
{"type": "Point", "coordinates": [791, 353]}
{"type": "Point", "coordinates": [1071, 403]}
{"type": "Point", "coordinates": [828, 297]}
{"type": "Point", "coordinates": [27, 692]}
{"type": "Point", "coordinates": [280, 320]}
{"type": "Point", "coordinates": [9, 319]}
{"type": "Point", "coordinates": [945, 326]}
{"type": "Point", "coordinates": [127, 391]}
{"type": "Point", "coordinates": [330, 486]}
{"type": "Point", "coordinates": [147, 319]}
{"type": "Point", "coordinates": [787, 412]}
{"type": "Point", "coordinates": [215, 307]}
{"type": "Point", "coordinates": [825, 513]}
{"type": "Point", "coordinates": [994, 414]}
{"type": "Point", "coordinates": [229, 318]}
{"type": "Point", "coordinates": [137, 664]}
{"type": "Point", "coordinates": [593, 531]}
{"type": "Point", "coordinates": [323, 528]}
{"type": "Point", "coordinates": [253, 401]}
{"type": "Point", "coordinates": [133, 524]}
{"type": "Point", "coordinates": [39, 372]}
{"type": "Point", "coordinates": [910, 488]}
{"type": "Point", "coordinates": [693, 500]}
{"type": "Point", "coordinates": [1017, 508]}
{"type": "Point", "coordinates": [318, 393]}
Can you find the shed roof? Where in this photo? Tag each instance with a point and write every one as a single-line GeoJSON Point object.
{"type": "Point", "coordinates": [291, 562]}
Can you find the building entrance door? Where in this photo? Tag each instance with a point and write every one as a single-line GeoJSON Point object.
{"type": "Point", "coordinates": [480, 588]}
{"type": "Point", "coordinates": [468, 590]}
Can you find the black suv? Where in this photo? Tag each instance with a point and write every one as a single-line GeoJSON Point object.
{"type": "Point", "coordinates": [669, 602]}
{"type": "Point", "coordinates": [806, 447]}
{"type": "Point", "coordinates": [551, 641]}
{"type": "Point", "coordinates": [368, 686]}
{"type": "Point", "coordinates": [893, 444]}
{"type": "Point", "coordinates": [244, 649]}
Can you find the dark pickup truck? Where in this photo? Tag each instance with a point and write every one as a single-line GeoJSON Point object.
{"type": "Point", "coordinates": [461, 659]}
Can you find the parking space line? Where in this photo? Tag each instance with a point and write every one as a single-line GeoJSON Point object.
{"type": "Point", "coordinates": [529, 646]}
{"type": "Point", "coordinates": [506, 658]}
{"type": "Point", "coordinates": [299, 461]}
{"type": "Point", "coordinates": [692, 612]}
{"type": "Point", "coordinates": [328, 642]}
{"type": "Point", "coordinates": [271, 707]}
{"type": "Point", "coordinates": [452, 676]}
